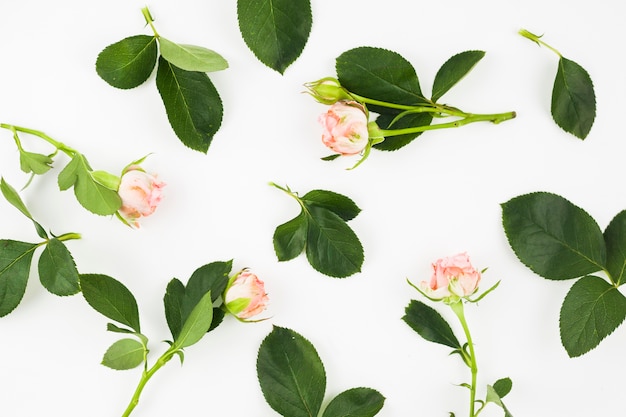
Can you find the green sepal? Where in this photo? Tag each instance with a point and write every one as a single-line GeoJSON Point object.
{"type": "Point", "coordinates": [291, 374]}
{"type": "Point", "coordinates": [57, 270]}
{"type": "Point", "coordinates": [15, 261]}
{"type": "Point", "coordinates": [129, 62]}
{"type": "Point", "coordinates": [124, 354]}
{"type": "Point", "coordinates": [191, 57]}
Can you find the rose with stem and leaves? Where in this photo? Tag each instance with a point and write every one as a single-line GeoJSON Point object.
{"type": "Point", "coordinates": [130, 196]}
{"type": "Point", "coordinates": [191, 311]}
{"type": "Point", "coordinates": [455, 282]}
{"type": "Point", "coordinates": [382, 81]}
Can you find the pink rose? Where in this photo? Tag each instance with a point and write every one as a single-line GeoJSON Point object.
{"type": "Point", "coordinates": [140, 193]}
{"type": "Point", "coordinates": [245, 295]}
{"type": "Point", "coordinates": [453, 276]}
{"type": "Point", "coordinates": [345, 127]}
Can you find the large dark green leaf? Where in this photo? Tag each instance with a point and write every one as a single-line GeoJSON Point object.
{"type": "Point", "coordinates": [111, 298]}
{"type": "Point", "coordinates": [124, 354]}
{"type": "Point", "coordinates": [453, 70]}
{"type": "Point", "coordinates": [129, 62]}
{"type": "Point", "coordinates": [291, 374]}
{"type": "Point", "coordinates": [573, 99]}
{"type": "Point", "coordinates": [339, 204]}
{"type": "Point", "coordinates": [14, 198]}
{"type": "Point", "coordinates": [379, 74]}
{"type": "Point", "coordinates": [429, 324]}
{"type": "Point", "coordinates": [193, 105]}
{"type": "Point", "coordinates": [615, 238]}
{"type": "Point", "coordinates": [355, 402]}
{"type": "Point", "coordinates": [290, 237]}
{"type": "Point", "coordinates": [179, 301]}
{"type": "Point", "coordinates": [15, 261]}
{"type": "Point", "coordinates": [552, 236]}
{"type": "Point", "coordinates": [57, 270]}
{"type": "Point", "coordinates": [276, 31]}
{"type": "Point", "coordinates": [332, 248]}
{"type": "Point", "coordinates": [592, 309]}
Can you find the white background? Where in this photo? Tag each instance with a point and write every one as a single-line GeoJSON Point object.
{"type": "Point", "coordinates": [436, 197]}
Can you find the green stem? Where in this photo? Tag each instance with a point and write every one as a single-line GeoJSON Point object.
{"type": "Point", "coordinates": [458, 310]}
{"type": "Point", "coordinates": [471, 118]}
{"type": "Point", "coordinates": [428, 108]}
{"type": "Point", "coordinates": [537, 40]}
{"type": "Point", "coordinates": [149, 20]}
{"type": "Point", "coordinates": [58, 145]}
{"type": "Point", "coordinates": [145, 377]}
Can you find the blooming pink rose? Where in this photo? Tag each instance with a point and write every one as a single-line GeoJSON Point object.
{"type": "Point", "coordinates": [245, 295]}
{"type": "Point", "coordinates": [140, 193]}
{"type": "Point", "coordinates": [345, 127]}
{"type": "Point", "coordinates": [452, 276]}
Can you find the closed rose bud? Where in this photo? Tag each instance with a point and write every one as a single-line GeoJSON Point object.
{"type": "Point", "coordinates": [453, 277]}
{"type": "Point", "coordinates": [345, 127]}
{"type": "Point", "coordinates": [327, 91]}
{"type": "Point", "coordinates": [140, 193]}
{"type": "Point", "coordinates": [245, 295]}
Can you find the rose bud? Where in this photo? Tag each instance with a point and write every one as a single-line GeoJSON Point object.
{"type": "Point", "coordinates": [244, 296]}
{"type": "Point", "coordinates": [453, 277]}
{"type": "Point", "coordinates": [140, 193]}
{"type": "Point", "coordinates": [345, 127]}
{"type": "Point", "coordinates": [327, 91]}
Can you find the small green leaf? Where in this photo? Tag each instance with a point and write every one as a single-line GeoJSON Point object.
{"type": "Point", "coordinates": [193, 105]}
{"type": "Point", "coordinates": [615, 238]}
{"type": "Point", "coordinates": [124, 354]}
{"type": "Point", "coordinates": [453, 70]}
{"type": "Point", "coordinates": [276, 31]}
{"type": "Point", "coordinates": [69, 175]}
{"type": "Point", "coordinates": [592, 309]}
{"type": "Point", "coordinates": [332, 248]}
{"type": "Point", "coordinates": [573, 99]}
{"type": "Point", "coordinates": [116, 329]}
{"type": "Point", "coordinates": [552, 236]}
{"type": "Point", "coordinates": [339, 204]}
{"type": "Point", "coordinates": [57, 270]}
{"type": "Point", "coordinates": [291, 374]}
{"type": "Point", "coordinates": [503, 386]}
{"type": "Point", "coordinates": [495, 394]}
{"type": "Point", "coordinates": [173, 302]}
{"type": "Point", "coordinates": [36, 163]}
{"type": "Point", "coordinates": [191, 57]}
{"type": "Point", "coordinates": [290, 238]}
{"type": "Point", "coordinates": [15, 261]}
{"type": "Point", "coordinates": [197, 323]}
{"type": "Point", "coordinates": [111, 298]}
{"type": "Point", "coordinates": [129, 62]}
{"type": "Point", "coordinates": [355, 402]}
{"type": "Point", "coordinates": [14, 198]}
{"type": "Point", "coordinates": [429, 324]}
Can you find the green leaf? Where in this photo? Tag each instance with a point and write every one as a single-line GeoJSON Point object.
{"type": "Point", "coordinates": [15, 261]}
{"type": "Point", "coordinates": [191, 57]}
{"type": "Point", "coordinates": [124, 354]}
{"type": "Point", "coordinates": [429, 324]}
{"type": "Point", "coordinates": [290, 237]}
{"type": "Point", "coordinates": [291, 374]}
{"type": "Point", "coordinates": [393, 143]}
{"type": "Point", "coordinates": [193, 105]}
{"type": "Point", "coordinates": [197, 323]}
{"type": "Point", "coordinates": [496, 392]}
{"type": "Point", "coordinates": [355, 402]}
{"type": "Point", "coordinates": [453, 70]}
{"type": "Point", "coordinates": [92, 195]}
{"type": "Point", "coordinates": [276, 31]}
{"type": "Point", "coordinates": [14, 198]}
{"type": "Point", "coordinates": [379, 74]}
{"type": "Point", "coordinates": [339, 204]}
{"type": "Point", "coordinates": [592, 309]}
{"type": "Point", "coordinates": [57, 270]}
{"type": "Point", "coordinates": [573, 99]}
{"type": "Point", "coordinates": [332, 248]}
{"type": "Point", "coordinates": [552, 236]}
{"type": "Point", "coordinates": [106, 179]}
{"type": "Point", "coordinates": [129, 62]}
{"type": "Point", "coordinates": [503, 386]}
{"type": "Point", "coordinates": [111, 298]}
{"type": "Point", "coordinates": [36, 163]}
{"type": "Point", "coordinates": [179, 301]}
{"type": "Point", "coordinates": [615, 238]}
